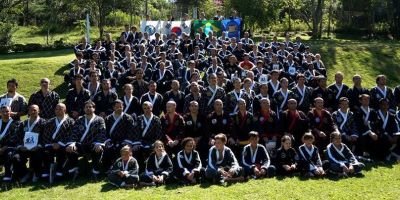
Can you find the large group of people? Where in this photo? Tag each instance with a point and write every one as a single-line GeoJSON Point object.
{"type": "Point", "coordinates": [188, 109]}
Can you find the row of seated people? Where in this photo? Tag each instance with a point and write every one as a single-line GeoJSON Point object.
{"type": "Point", "coordinates": [87, 138]}
{"type": "Point", "coordinates": [62, 137]}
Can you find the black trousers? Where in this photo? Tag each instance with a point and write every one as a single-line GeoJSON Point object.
{"type": "Point", "coordinates": [50, 156]}
{"type": "Point", "coordinates": [110, 155]}
{"type": "Point", "coordinates": [84, 150]}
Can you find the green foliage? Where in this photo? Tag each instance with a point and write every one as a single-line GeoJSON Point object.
{"type": "Point", "coordinates": [255, 12]}
{"type": "Point", "coordinates": [6, 31]}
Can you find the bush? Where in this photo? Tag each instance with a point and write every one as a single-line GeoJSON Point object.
{"type": "Point", "coordinates": [18, 48]}
{"type": "Point", "coordinates": [6, 31]}
{"type": "Point", "coordinates": [32, 47]}
{"type": "Point", "coordinates": [118, 17]}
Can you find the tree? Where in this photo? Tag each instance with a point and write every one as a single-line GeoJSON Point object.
{"type": "Point", "coordinates": [255, 12]}
{"type": "Point", "coordinates": [7, 23]}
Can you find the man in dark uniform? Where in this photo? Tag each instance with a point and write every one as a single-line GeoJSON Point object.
{"type": "Point", "coordinates": [302, 94]}
{"type": "Point", "coordinates": [382, 91]}
{"type": "Point", "coordinates": [323, 92]}
{"type": "Point", "coordinates": [339, 89]}
{"type": "Point", "coordinates": [148, 129]}
{"type": "Point", "coordinates": [210, 94]}
{"type": "Point", "coordinates": [321, 123]}
{"type": "Point", "coordinates": [45, 99]}
{"type": "Point", "coordinates": [54, 140]}
{"type": "Point", "coordinates": [87, 138]}
{"type": "Point", "coordinates": [9, 140]}
{"type": "Point", "coordinates": [175, 95]}
{"type": "Point", "coordinates": [119, 126]}
{"type": "Point", "coordinates": [105, 99]}
{"type": "Point", "coordinates": [354, 93]}
{"type": "Point", "coordinates": [173, 126]}
{"type": "Point", "coordinates": [155, 98]}
{"type": "Point", "coordinates": [76, 98]}
{"type": "Point", "coordinates": [365, 120]}
{"type": "Point", "coordinates": [217, 121]}
{"type": "Point", "coordinates": [293, 122]}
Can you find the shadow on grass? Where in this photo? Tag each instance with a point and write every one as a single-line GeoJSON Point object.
{"type": "Point", "coordinates": [62, 90]}
{"type": "Point", "coordinates": [37, 54]}
{"type": "Point", "coordinates": [106, 187]}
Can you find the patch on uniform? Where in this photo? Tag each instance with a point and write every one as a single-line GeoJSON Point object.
{"type": "Point", "coordinates": [261, 118]}
{"type": "Point", "coordinates": [99, 98]}
{"type": "Point", "coordinates": [25, 129]}
{"type": "Point", "coordinates": [270, 119]}
{"type": "Point", "coordinates": [81, 128]}
{"type": "Point", "coordinates": [378, 96]}
{"type": "Point", "coordinates": [213, 121]}
{"type": "Point", "coordinates": [317, 120]}
{"type": "Point", "coordinates": [339, 119]}
{"type": "Point", "coordinates": [208, 93]}
{"type": "Point", "coordinates": [224, 121]}
{"type": "Point", "coordinates": [280, 98]}
{"type": "Point", "coordinates": [119, 164]}
{"type": "Point", "coordinates": [166, 122]}
{"type": "Point", "coordinates": [198, 124]}
{"type": "Point", "coordinates": [189, 123]}
{"type": "Point", "coordinates": [283, 155]}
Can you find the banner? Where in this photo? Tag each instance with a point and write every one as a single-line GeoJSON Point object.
{"type": "Point", "coordinates": [31, 140]}
{"type": "Point", "coordinates": [151, 27]}
{"type": "Point", "coordinates": [165, 27]}
{"type": "Point", "coordinates": [232, 27]}
{"type": "Point", "coordinates": [177, 27]}
{"type": "Point", "coordinates": [208, 25]}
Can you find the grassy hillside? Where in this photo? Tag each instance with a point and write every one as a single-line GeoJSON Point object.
{"type": "Point", "coordinates": [29, 68]}
{"type": "Point", "coordinates": [33, 34]}
{"type": "Point", "coordinates": [367, 58]}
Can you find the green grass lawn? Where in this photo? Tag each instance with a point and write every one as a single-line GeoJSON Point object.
{"type": "Point", "coordinates": [29, 68]}
{"type": "Point", "coordinates": [349, 56]}
{"type": "Point", "coordinates": [33, 34]}
{"type": "Point", "coordinates": [381, 182]}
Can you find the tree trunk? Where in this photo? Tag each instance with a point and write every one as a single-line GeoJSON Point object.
{"type": "Point", "coordinates": [101, 18]}
{"type": "Point", "coordinates": [370, 16]}
{"type": "Point", "coordinates": [290, 17]}
{"type": "Point", "coordinates": [396, 16]}
{"type": "Point", "coordinates": [317, 18]}
{"type": "Point", "coordinates": [26, 13]}
{"type": "Point", "coordinates": [330, 18]}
